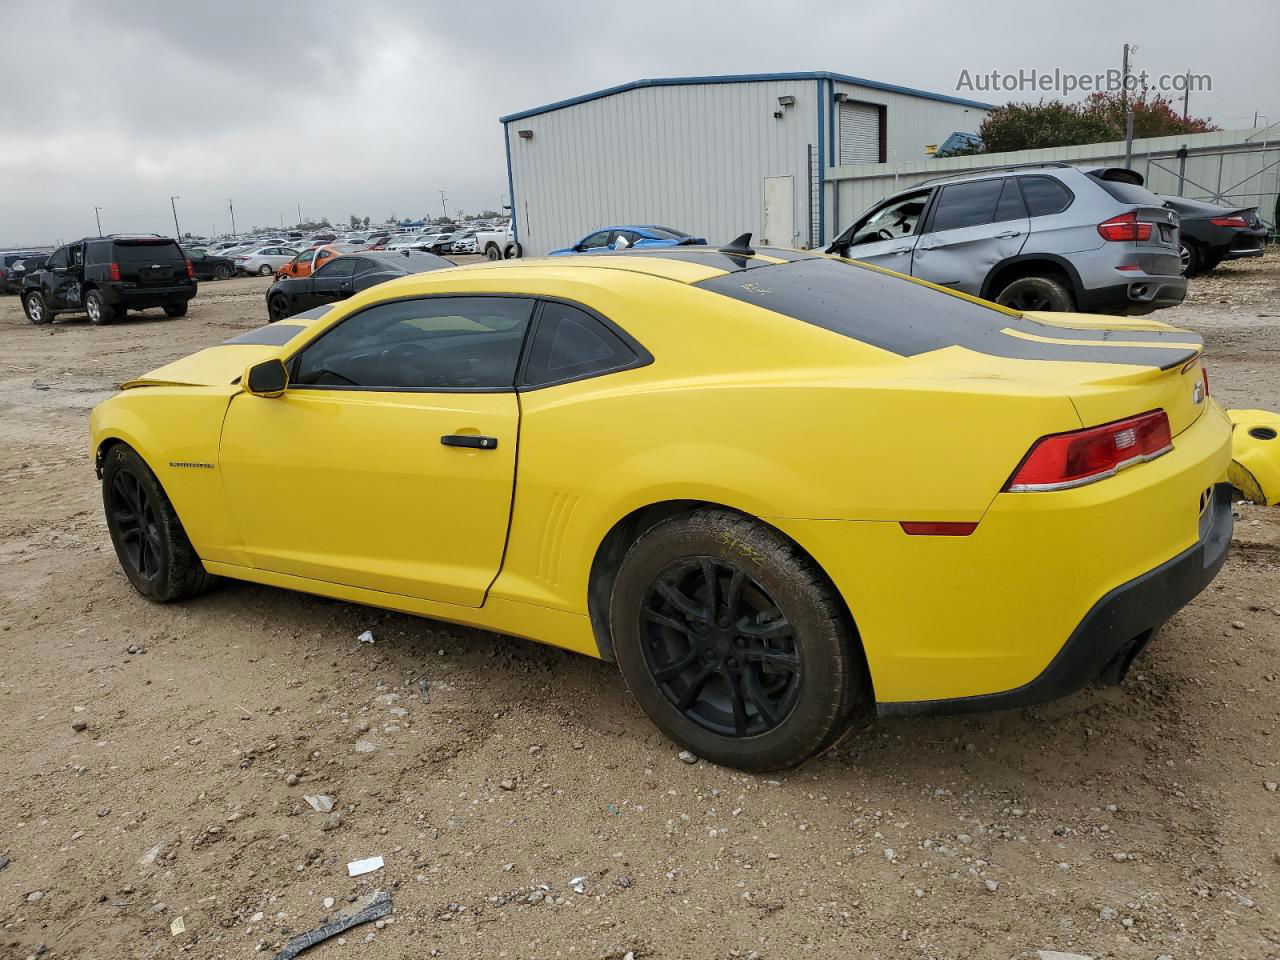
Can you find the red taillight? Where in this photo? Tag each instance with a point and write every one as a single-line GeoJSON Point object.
{"type": "Point", "coordinates": [1204, 374]}
{"type": "Point", "coordinates": [937, 529]}
{"type": "Point", "coordinates": [113, 272]}
{"type": "Point", "coordinates": [190, 271]}
{"type": "Point", "coordinates": [1229, 221]}
{"type": "Point", "coordinates": [1124, 227]}
{"type": "Point", "coordinates": [1064, 460]}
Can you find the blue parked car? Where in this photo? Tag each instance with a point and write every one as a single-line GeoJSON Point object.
{"type": "Point", "coordinates": [637, 237]}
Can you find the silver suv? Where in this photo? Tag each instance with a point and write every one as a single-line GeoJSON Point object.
{"type": "Point", "coordinates": [1036, 237]}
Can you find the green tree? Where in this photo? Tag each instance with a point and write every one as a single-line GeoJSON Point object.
{"type": "Point", "coordinates": [366, 223]}
{"type": "Point", "coordinates": [1100, 118]}
{"type": "Point", "coordinates": [353, 221]}
{"type": "Point", "coordinates": [488, 214]}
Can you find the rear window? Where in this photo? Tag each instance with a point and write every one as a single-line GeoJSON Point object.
{"type": "Point", "coordinates": [163, 251]}
{"type": "Point", "coordinates": [666, 233]}
{"type": "Point", "coordinates": [1127, 192]}
{"type": "Point", "coordinates": [1044, 195]}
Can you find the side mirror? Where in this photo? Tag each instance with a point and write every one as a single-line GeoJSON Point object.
{"type": "Point", "coordinates": [266, 379]}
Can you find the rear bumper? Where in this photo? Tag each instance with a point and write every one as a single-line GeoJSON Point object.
{"type": "Point", "coordinates": [139, 298]}
{"type": "Point", "coordinates": [1140, 295]}
{"type": "Point", "coordinates": [1117, 627]}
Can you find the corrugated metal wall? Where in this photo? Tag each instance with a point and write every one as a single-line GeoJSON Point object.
{"type": "Point", "coordinates": [691, 157]}
{"type": "Point", "coordinates": [1232, 167]}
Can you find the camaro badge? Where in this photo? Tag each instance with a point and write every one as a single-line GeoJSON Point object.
{"type": "Point", "coordinates": [198, 466]}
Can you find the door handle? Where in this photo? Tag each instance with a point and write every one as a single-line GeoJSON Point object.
{"type": "Point", "coordinates": [1008, 234]}
{"type": "Point", "coordinates": [469, 440]}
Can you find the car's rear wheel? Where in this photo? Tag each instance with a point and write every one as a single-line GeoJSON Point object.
{"type": "Point", "coordinates": [95, 307]}
{"type": "Point", "coordinates": [265, 270]}
{"type": "Point", "coordinates": [278, 307]}
{"type": "Point", "coordinates": [733, 641]}
{"type": "Point", "coordinates": [34, 306]}
{"type": "Point", "coordinates": [492, 252]}
{"type": "Point", "coordinates": [1189, 254]}
{"type": "Point", "coordinates": [150, 543]}
{"type": "Point", "coordinates": [1036, 293]}
{"type": "Point", "coordinates": [222, 272]}
{"type": "Point", "coordinates": [176, 309]}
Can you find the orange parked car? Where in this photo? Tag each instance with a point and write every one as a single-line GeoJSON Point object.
{"type": "Point", "coordinates": [307, 262]}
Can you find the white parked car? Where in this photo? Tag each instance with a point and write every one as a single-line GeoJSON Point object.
{"type": "Point", "coordinates": [465, 242]}
{"type": "Point", "coordinates": [405, 241]}
{"type": "Point", "coordinates": [264, 261]}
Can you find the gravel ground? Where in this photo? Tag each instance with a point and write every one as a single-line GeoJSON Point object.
{"type": "Point", "coordinates": [159, 757]}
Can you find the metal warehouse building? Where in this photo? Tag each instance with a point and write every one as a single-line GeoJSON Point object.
{"type": "Point", "coordinates": [714, 156]}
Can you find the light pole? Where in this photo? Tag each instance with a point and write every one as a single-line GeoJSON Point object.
{"type": "Point", "coordinates": [232, 207]}
{"type": "Point", "coordinates": [443, 209]}
{"type": "Point", "coordinates": [176, 229]}
{"type": "Point", "coordinates": [97, 215]}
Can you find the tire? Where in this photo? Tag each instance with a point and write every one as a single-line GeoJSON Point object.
{"type": "Point", "coordinates": [277, 308]}
{"type": "Point", "coordinates": [150, 543]}
{"type": "Point", "coordinates": [95, 307]}
{"type": "Point", "coordinates": [492, 252]}
{"type": "Point", "coordinates": [36, 309]}
{"type": "Point", "coordinates": [513, 252]}
{"type": "Point", "coordinates": [1191, 258]}
{"type": "Point", "coordinates": [176, 309]}
{"type": "Point", "coordinates": [265, 270]}
{"type": "Point", "coordinates": [222, 272]}
{"type": "Point", "coordinates": [757, 694]}
{"type": "Point", "coordinates": [1037, 293]}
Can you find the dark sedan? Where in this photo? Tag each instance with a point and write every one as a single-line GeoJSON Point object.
{"type": "Point", "coordinates": [210, 266]}
{"type": "Point", "coordinates": [343, 276]}
{"type": "Point", "coordinates": [1211, 233]}
{"type": "Point", "coordinates": [13, 267]}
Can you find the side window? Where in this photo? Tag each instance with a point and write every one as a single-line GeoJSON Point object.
{"type": "Point", "coordinates": [77, 255]}
{"type": "Point", "coordinates": [892, 221]}
{"type": "Point", "coordinates": [1010, 206]}
{"type": "Point", "coordinates": [433, 343]}
{"type": "Point", "coordinates": [967, 205]}
{"type": "Point", "coordinates": [98, 253]}
{"type": "Point", "coordinates": [1045, 195]}
{"type": "Point", "coordinates": [341, 267]}
{"type": "Point", "coordinates": [598, 239]}
{"type": "Point", "coordinates": [570, 344]}
{"type": "Point", "coordinates": [307, 257]}
{"type": "Point", "coordinates": [59, 258]}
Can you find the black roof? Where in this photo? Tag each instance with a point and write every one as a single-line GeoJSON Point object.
{"type": "Point", "coordinates": [404, 261]}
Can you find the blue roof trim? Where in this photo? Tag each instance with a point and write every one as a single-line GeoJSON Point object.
{"type": "Point", "coordinates": [742, 78]}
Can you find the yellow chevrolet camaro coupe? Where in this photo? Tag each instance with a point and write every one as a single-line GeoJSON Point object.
{"type": "Point", "coordinates": [773, 486]}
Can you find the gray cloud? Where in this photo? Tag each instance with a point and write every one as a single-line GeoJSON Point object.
{"type": "Point", "coordinates": [371, 109]}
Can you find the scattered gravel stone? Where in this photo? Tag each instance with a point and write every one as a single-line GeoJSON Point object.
{"type": "Point", "coordinates": [329, 902]}
{"type": "Point", "coordinates": [1271, 786]}
{"type": "Point", "coordinates": [362, 725]}
{"type": "Point", "coordinates": [991, 885]}
{"type": "Point", "coordinates": [79, 724]}
{"type": "Point", "coordinates": [291, 779]}
{"type": "Point", "coordinates": [507, 783]}
{"type": "Point", "coordinates": [35, 896]}
{"type": "Point", "coordinates": [1237, 624]}
{"type": "Point", "coordinates": [687, 757]}
{"type": "Point", "coordinates": [1107, 913]}
{"type": "Point", "coordinates": [365, 746]}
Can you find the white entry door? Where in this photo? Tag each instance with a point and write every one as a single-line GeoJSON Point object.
{"type": "Point", "coordinates": [779, 213]}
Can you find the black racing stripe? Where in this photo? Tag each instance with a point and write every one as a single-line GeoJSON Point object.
{"type": "Point", "coordinates": [909, 318]}
{"type": "Point", "coordinates": [1039, 329]}
{"type": "Point", "coordinates": [785, 253]}
{"type": "Point", "coordinates": [272, 335]}
{"type": "Point", "coordinates": [706, 256]}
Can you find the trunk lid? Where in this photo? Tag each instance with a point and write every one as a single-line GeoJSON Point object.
{"type": "Point", "coordinates": [150, 263]}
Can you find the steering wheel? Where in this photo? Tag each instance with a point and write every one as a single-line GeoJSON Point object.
{"type": "Point", "coordinates": [884, 234]}
{"type": "Point", "coordinates": [406, 361]}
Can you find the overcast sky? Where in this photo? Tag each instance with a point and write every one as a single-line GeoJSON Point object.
{"type": "Point", "coordinates": [373, 108]}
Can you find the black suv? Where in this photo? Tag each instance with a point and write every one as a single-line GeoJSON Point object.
{"type": "Point", "coordinates": [106, 276]}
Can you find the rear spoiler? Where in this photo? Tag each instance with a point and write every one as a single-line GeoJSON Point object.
{"type": "Point", "coordinates": [1118, 175]}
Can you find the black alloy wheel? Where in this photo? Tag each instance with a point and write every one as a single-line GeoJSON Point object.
{"type": "Point", "coordinates": [131, 513]}
{"type": "Point", "coordinates": [719, 648]}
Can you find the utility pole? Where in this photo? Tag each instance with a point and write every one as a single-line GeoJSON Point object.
{"type": "Point", "coordinates": [1186, 97]}
{"type": "Point", "coordinates": [443, 209]}
{"type": "Point", "coordinates": [1128, 111]}
{"type": "Point", "coordinates": [97, 211]}
{"type": "Point", "coordinates": [232, 207]}
{"type": "Point", "coordinates": [173, 205]}
{"type": "Point", "coordinates": [299, 213]}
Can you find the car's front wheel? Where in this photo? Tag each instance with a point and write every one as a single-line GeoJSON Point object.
{"type": "Point", "coordinates": [492, 252]}
{"type": "Point", "coordinates": [37, 311]}
{"type": "Point", "coordinates": [1036, 293]}
{"type": "Point", "coordinates": [734, 642]}
{"type": "Point", "coordinates": [150, 543]}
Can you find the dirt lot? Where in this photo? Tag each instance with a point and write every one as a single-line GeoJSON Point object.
{"type": "Point", "coordinates": [1132, 822]}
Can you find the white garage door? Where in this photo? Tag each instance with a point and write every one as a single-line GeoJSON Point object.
{"type": "Point", "coordinates": [859, 133]}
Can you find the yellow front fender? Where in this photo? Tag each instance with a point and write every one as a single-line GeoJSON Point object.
{"type": "Point", "coordinates": [1255, 455]}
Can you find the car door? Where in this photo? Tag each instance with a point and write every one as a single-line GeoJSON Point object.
{"type": "Point", "coordinates": [886, 235]}
{"type": "Point", "coordinates": [333, 281]}
{"type": "Point", "coordinates": [300, 265]}
{"type": "Point", "coordinates": [972, 227]}
{"type": "Point", "coordinates": [56, 278]}
{"type": "Point", "coordinates": [389, 462]}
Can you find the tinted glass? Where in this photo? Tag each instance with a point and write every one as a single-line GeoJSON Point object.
{"type": "Point", "coordinates": [98, 253]}
{"type": "Point", "coordinates": [59, 258]}
{"type": "Point", "coordinates": [665, 233]}
{"type": "Point", "coordinates": [1046, 195]}
{"type": "Point", "coordinates": [597, 239]}
{"type": "Point", "coordinates": [1010, 206]}
{"type": "Point", "coordinates": [570, 344]}
{"type": "Point", "coordinates": [967, 205]}
{"type": "Point", "coordinates": [342, 267]}
{"type": "Point", "coordinates": [435, 343]}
